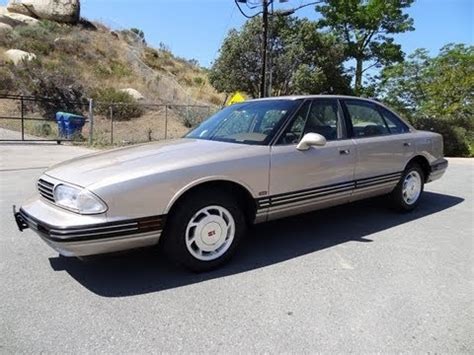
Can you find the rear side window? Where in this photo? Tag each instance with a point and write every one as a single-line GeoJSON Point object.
{"type": "Point", "coordinates": [366, 119]}
{"type": "Point", "coordinates": [395, 125]}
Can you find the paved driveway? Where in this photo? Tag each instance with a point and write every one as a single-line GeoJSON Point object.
{"type": "Point", "coordinates": [354, 278]}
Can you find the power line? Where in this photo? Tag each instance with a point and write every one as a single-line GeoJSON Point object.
{"type": "Point", "coordinates": [305, 5]}
{"type": "Point", "coordinates": [244, 14]}
{"type": "Point", "coordinates": [265, 15]}
{"type": "Point", "coordinates": [224, 33]}
{"type": "Point", "coordinates": [253, 5]}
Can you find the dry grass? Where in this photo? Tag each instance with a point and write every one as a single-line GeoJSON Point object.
{"type": "Point", "coordinates": [152, 126]}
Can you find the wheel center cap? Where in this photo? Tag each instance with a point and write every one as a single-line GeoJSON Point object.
{"type": "Point", "coordinates": [211, 233]}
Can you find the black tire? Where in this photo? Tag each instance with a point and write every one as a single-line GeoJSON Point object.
{"type": "Point", "coordinates": [398, 201]}
{"type": "Point", "coordinates": [174, 238]}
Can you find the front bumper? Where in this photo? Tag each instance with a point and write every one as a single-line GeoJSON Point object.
{"type": "Point", "coordinates": [438, 168]}
{"type": "Point", "coordinates": [87, 238]}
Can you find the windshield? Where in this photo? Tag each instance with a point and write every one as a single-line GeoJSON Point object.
{"type": "Point", "coordinates": [248, 122]}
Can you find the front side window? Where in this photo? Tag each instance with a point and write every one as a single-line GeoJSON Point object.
{"type": "Point", "coordinates": [246, 123]}
{"type": "Point", "coordinates": [366, 119]}
{"type": "Point", "coordinates": [323, 118]}
{"type": "Point", "coordinates": [317, 116]}
{"type": "Point", "coordinates": [295, 129]}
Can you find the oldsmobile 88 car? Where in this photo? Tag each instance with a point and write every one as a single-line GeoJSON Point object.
{"type": "Point", "coordinates": [249, 163]}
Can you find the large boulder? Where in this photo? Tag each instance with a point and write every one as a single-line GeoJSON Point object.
{"type": "Point", "coordinates": [13, 19]}
{"type": "Point", "coordinates": [67, 11]}
{"type": "Point", "coordinates": [17, 56]}
{"type": "Point", "coordinates": [134, 93]}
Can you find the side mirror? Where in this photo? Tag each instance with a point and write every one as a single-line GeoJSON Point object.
{"type": "Point", "coordinates": [311, 139]}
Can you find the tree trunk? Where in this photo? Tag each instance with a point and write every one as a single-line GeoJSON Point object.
{"type": "Point", "coordinates": [358, 76]}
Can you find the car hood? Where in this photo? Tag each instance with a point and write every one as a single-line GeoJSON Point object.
{"type": "Point", "coordinates": [129, 162]}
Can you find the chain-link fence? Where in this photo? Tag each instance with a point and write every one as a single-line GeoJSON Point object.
{"type": "Point", "coordinates": [32, 118]}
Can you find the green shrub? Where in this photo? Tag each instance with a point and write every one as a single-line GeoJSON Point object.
{"type": "Point", "coordinates": [101, 70]}
{"type": "Point", "coordinates": [36, 39]}
{"type": "Point", "coordinates": [6, 39]}
{"type": "Point", "coordinates": [70, 45]}
{"type": "Point", "coordinates": [115, 69]}
{"type": "Point", "coordinates": [133, 36]}
{"type": "Point", "coordinates": [124, 106]}
{"type": "Point", "coordinates": [60, 86]}
{"type": "Point", "coordinates": [199, 81]}
{"type": "Point", "coordinates": [7, 82]}
{"type": "Point", "coordinates": [457, 139]}
{"type": "Point", "coordinates": [185, 81]}
{"type": "Point", "coordinates": [139, 33]}
{"type": "Point", "coordinates": [50, 26]}
{"type": "Point", "coordinates": [190, 116]}
{"type": "Point", "coordinates": [151, 57]}
{"type": "Point", "coordinates": [42, 129]}
{"type": "Point", "coordinates": [79, 44]}
{"type": "Point", "coordinates": [119, 69]}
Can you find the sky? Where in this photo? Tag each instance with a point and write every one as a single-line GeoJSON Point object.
{"type": "Point", "coordinates": [196, 28]}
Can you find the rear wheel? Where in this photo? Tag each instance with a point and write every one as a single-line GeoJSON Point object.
{"type": "Point", "coordinates": [203, 231]}
{"type": "Point", "coordinates": [406, 195]}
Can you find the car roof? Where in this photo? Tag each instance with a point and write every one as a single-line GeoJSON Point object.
{"type": "Point", "coordinates": [300, 97]}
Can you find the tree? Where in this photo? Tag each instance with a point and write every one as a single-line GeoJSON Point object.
{"type": "Point", "coordinates": [365, 27]}
{"type": "Point", "coordinates": [436, 93]}
{"type": "Point", "coordinates": [239, 62]}
{"type": "Point", "coordinates": [303, 60]}
{"type": "Point", "coordinates": [403, 85]}
{"type": "Point", "coordinates": [140, 34]}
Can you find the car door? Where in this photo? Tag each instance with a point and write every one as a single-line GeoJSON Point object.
{"type": "Point", "coordinates": [382, 145]}
{"type": "Point", "coordinates": [321, 176]}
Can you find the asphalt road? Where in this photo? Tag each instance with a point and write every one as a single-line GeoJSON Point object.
{"type": "Point", "coordinates": [356, 278]}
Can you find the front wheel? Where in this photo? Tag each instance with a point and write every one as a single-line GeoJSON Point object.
{"type": "Point", "coordinates": [406, 195]}
{"type": "Point", "coordinates": [204, 230]}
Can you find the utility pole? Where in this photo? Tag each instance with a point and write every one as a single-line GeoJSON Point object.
{"type": "Point", "coordinates": [270, 54]}
{"type": "Point", "coordinates": [264, 89]}
{"type": "Point", "coordinates": [263, 84]}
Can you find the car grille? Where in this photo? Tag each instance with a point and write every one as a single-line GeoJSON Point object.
{"type": "Point", "coordinates": [46, 189]}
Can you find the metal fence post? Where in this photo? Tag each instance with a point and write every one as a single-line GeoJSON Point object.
{"type": "Point", "coordinates": [166, 121]}
{"type": "Point", "coordinates": [111, 124]}
{"type": "Point", "coordinates": [22, 109]}
{"type": "Point", "coordinates": [187, 114]}
{"type": "Point", "coordinates": [91, 120]}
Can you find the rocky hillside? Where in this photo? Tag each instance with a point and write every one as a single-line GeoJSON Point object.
{"type": "Point", "coordinates": [47, 49]}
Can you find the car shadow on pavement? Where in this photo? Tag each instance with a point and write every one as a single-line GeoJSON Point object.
{"type": "Point", "coordinates": [147, 270]}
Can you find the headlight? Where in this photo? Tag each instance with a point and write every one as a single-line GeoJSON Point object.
{"type": "Point", "coordinates": [78, 200]}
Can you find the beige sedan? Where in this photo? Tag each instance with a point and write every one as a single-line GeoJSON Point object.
{"type": "Point", "coordinates": [249, 163]}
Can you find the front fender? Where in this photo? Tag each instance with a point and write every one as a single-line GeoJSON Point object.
{"type": "Point", "coordinates": [203, 180]}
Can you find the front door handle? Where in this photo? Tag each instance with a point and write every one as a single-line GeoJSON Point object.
{"type": "Point", "coordinates": [344, 151]}
{"type": "Point", "coordinates": [406, 144]}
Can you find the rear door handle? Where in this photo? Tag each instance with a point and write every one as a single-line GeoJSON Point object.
{"type": "Point", "coordinates": [344, 151]}
{"type": "Point", "coordinates": [406, 144]}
